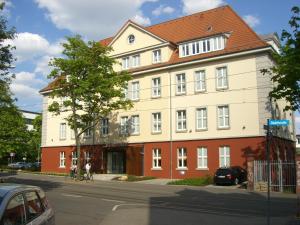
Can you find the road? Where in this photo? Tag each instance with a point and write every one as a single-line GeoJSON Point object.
{"type": "Point", "coordinates": [122, 203]}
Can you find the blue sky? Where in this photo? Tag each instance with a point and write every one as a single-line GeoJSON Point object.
{"type": "Point", "coordinates": [43, 24]}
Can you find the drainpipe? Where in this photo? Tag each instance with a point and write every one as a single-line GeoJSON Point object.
{"type": "Point", "coordinates": [171, 127]}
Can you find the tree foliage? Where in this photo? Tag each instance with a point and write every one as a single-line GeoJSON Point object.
{"type": "Point", "coordinates": [87, 87]}
{"type": "Point", "coordinates": [286, 72]}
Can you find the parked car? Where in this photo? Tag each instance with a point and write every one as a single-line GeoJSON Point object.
{"type": "Point", "coordinates": [230, 175]}
{"type": "Point", "coordinates": [19, 165]}
{"type": "Point", "coordinates": [24, 204]}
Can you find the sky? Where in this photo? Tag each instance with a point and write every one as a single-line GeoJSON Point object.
{"type": "Point", "coordinates": [42, 26]}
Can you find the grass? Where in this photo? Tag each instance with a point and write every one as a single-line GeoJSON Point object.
{"type": "Point", "coordinates": [201, 181]}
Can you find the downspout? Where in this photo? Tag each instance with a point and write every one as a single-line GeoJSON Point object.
{"type": "Point", "coordinates": [171, 128]}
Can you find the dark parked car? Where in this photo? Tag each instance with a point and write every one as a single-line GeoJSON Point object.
{"type": "Point", "coordinates": [24, 204]}
{"type": "Point", "coordinates": [230, 175]}
{"type": "Point", "coordinates": [19, 165]}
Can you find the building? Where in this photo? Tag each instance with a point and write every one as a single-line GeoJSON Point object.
{"type": "Point", "coordinates": [200, 102]}
{"type": "Point", "coordinates": [298, 143]}
{"type": "Point", "coordinates": [29, 117]}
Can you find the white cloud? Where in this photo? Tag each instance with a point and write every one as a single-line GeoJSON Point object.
{"type": "Point", "coordinates": [163, 9]}
{"type": "Point", "coordinates": [96, 19]}
{"type": "Point", "coordinates": [140, 19]}
{"type": "Point", "coordinates": [42, 66]}
{"type": "Point", "coordinates": [24, 92]}
{"type": "Point", "coordinates": [297, 122]}
{"type": "Point", "coordinates": [30, 46]}
{"type": "Point", "coordinates": [193, 6]}
{"type": "Point", "coordinates": [29, 79]}
{"type": "Point", "coordinates": [251, 20]}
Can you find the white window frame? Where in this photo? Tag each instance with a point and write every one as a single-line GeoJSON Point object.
{"type": "Point", "coordinates": [104, 126]}
{"type": "Point", "coordinates": [181, 120]}
{"type": "Point", "coordinates": [156, 87]}
{"type": "Point", "coordinates": [135, 90]}
{"type": "Point", "coordinates": [156, 122]}
{"type": "Point", "coordinates": [126, 62]}
{"type": "Point", "coordinates": [136, 60]}
{"type": "Point", "coordinates": [135, 125]}
{"type": "Point", "coordinates": [88, 133]}
{"type": "Point", "coordinates": [202, 158]}
{"type": "Point", "coordinates": [87, 156]}
{"type": "Point", "coordinates": [124, 129]}
{"type": "Point", "coordinates": [201, 118]}
{"type": "Point", "coordinates": [222, 78]}
{"type": "Point", "coordinates": [200, 81]}
{"type": "Point", "coordinates": [180, 83]}
{"type": "Point", "coordinates": [156, 158]}
{"type": "Point", "coordinates": [224, 152]}
{"type": "Point", "coordinates": [181, 157]}
{"type": "Point", "coordinates": [223, 116]}
{"type": "Point", "coordinates": [62, 131]}
{"type": "Point", "coordinates": [62, 159]}
{"type": "Point", "coordinates": [74, 158]}
{"type": "Point", "coordinates": [156, 56]}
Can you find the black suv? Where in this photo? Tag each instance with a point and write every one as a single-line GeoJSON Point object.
{"type": "Point", "coordinates": [230, 175]}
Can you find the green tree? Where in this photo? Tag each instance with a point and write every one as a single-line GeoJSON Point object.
{"type": "Point", "coordinates": [34, 143]}
{"type": "Point", "coordinates": [286, 71]}
{"type": "Point", "coordinates": [88, 88]}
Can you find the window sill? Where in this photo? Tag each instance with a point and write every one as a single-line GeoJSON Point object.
{"type": "Point", "coordinates": [62, 167]}
{"type": "Point", "coordinates": [223, 128]}
{"type": "Point", "coordinates": [155, 97]}
{"type": "Point", "coordinates": [179, 94]}
{"type": "Point", "coordinates": [181, 131]}
{"type": "Point", "coordinates": [201, 130]}
{"type": "Point", "coordinates": [63, 139]}
{"type": "Point", "coordinates": [157, 132]}
{"type": "Point", "coordinates": [202, 168]}
{"type": "Point", "coordinates": [135, 100]}
{"type": "Point", "coordinates": [200, 91]}
{"type": "Point", "coordinates": [132, 134]}
{"type": "Point", "coordinates": [156, 169]}
{"type": "Point", "coordinates": [222, 89]}
{"type": "Point", "coordinates": [184, 168]}
{"type": "Point", "coordinates": [87, 137]}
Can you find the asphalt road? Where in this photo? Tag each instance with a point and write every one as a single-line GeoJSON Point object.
{"type": "Point", "coordinates": [122, 203]}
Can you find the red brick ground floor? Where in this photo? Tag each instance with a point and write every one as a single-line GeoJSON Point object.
{"type": "Point", "coordinates": [177, 159]}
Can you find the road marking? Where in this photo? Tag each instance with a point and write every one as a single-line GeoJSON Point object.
{"type": "Point", "coordinates": [70, 195]}
{"type": "Point", "coordinates": [112, 200]}
{"type": "Point", "coordinates": [117, 206]}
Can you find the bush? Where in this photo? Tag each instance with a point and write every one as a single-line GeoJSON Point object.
{"type": "Point", "coordinates": [202, 181]}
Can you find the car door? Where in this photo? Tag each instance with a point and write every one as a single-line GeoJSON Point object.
{"type": "Point", "coordinates": [14, 213]}
{"type": "Point", "coordinates": [34, 209]}
{"type": "Point", "coordinates": [48, 211]}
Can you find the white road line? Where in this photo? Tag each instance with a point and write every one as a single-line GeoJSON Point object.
{"type": "Point", "coordinates": [70, 195]}
{"type": "Point", "coordinates": [112, 200]}
{"type": "Point", "coordinates": [117, 206]}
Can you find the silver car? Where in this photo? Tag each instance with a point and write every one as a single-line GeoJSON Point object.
{"type": "Point", "coordinates": [24, 205]}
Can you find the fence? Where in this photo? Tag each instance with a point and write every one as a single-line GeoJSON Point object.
{"type": "Point", "coordinates": [282, 175]}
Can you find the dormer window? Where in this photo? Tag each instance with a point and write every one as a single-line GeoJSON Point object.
{"type": "Point", "coordinates": [156, 56]}
{"type": "Point", "coordinates": [202, 46]}
{"type": "Point", "coordinates": [131, 39]}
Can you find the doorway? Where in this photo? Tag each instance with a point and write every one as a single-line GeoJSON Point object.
{"type": "Point", "coordinates": [115, 162]}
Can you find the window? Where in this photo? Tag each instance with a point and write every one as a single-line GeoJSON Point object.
{"type": "Point", "coordinates": [156, 122]}
{"type": "Point", "coordinates": [74, 158]}
{"type": "Point", "coordinates": [202, 157]}
{"type": "Point", "coordinates": [135, 87]}
{"type": "Point", "coordinates": [181, 158]}
{"type": "Point", "coordinates": [135, 125]}
{"type": "Point", "coordinates": [201, 119]}
{"type": "Point", "coordinates": [125, 62]}
{"type": "Point", "coordinates": [218, 43]}
{"type": "Point", "coordinates": [156, 56]}
{"type": "Point", "coordinates": [224, 156]}
{"type": "Point", "coordinates": [181, 120]}
{"type": "Point", "coordinates": [34, 205]}
{"type": "Point", "coordinates": [156, 158]}
{"type": "Point", "coordinates": [63, 131]}
{"type": "Point", "coordinates": [206, 45]}
{"type": "Point", "coordinates": [200, 82]}
{"type": "Point", "coordinates": [223, 116]}
{"type": "Point", "coordinates": [135, 60]}
{"type": "Point", "coordinates": [104, 126]}
{"type": "Point", "coordinates": [62, 159]}
{"type": "Point", "coordinates": [180, 83]}
{"type": "Point", "coordinates": [156, 88]}
{"type": "Point", "coordinates": [125, 92]}
{"type": "Point", "coordinates": [131, 39]}
{"type": "Point", "coordinates": [88, 132]}
{"type": "Point", "coordinates": [124, 125]}
{"type": "Point", "coordinates": [87, 157]}
{"type": "Point", "coordinates": [15, 211]}
{"type": "Point", "coordinates": [222, 80]}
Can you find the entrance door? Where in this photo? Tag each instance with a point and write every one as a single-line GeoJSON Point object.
{"type": "Point", "coordinates": [115, 162]}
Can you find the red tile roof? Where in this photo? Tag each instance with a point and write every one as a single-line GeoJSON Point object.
{"type": "Point", "coordinates": [200, 25]}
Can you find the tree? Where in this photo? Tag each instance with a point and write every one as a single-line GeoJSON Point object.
{"type": "Point", "coordinates": [286, 71]}
{"type": "Point", "coordinates": [35, 139]}
{"type": "Point", "coordinates": [87, 87]}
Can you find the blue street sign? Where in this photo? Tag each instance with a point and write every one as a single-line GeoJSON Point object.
{"type": "Point", "coordinates": [278, 122]}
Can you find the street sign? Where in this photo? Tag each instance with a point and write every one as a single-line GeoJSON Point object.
{"type": "Point", "coordinates": [278, 122]}
{"type": "Point", "coordinates": [12, 154]}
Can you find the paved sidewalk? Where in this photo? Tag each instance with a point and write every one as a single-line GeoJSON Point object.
{"type": "Point", "coordinates": [155, 181]}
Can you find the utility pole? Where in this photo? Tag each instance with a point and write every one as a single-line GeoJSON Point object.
{"type": "Point", "coordinates": [268, 171]}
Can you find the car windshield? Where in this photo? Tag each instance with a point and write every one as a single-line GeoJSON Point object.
{"type": "Point", "coordinates": [1, 200]}
{"type": "Point", "coordinates": [222, 172]}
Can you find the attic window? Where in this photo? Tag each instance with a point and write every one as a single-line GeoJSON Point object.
{"type": "Point", "coordinates": [131, 39]}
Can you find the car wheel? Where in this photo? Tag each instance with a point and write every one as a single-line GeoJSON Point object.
{"type": "Point", "coordinates": [236, 181]}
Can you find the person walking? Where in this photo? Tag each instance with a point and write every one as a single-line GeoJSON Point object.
{"type": "Point", "coordinates": [87, 169]}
